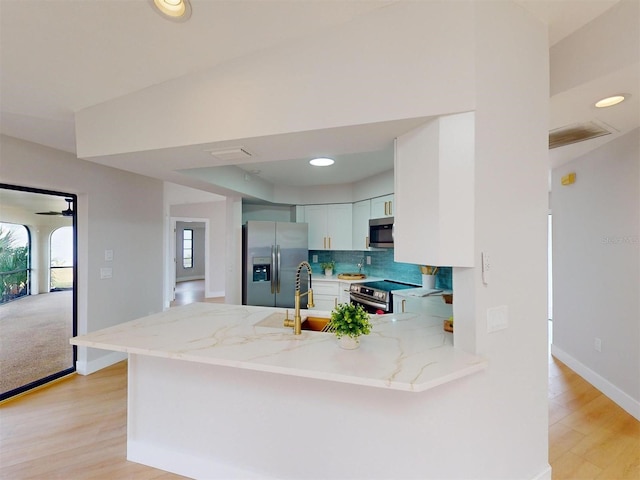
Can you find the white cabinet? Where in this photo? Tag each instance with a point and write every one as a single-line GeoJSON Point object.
{"type": "Point", "coordinates": [344, 294]}
{"type": "Point", "coordinates": [326, 294]}
{"type": "Point", "coordinates": [330, 226]}
{"type": "Point", "coordinates": [361, 215]}
{"type": "Point", "coordinates": [382, 206]}
{"type": "Point", "coordinates": [434, 193]}
{"type": "Point", "coordinates": [430, 305]}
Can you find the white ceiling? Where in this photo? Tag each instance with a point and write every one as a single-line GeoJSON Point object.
{"type": "Point", "coordinates": [58, 57]}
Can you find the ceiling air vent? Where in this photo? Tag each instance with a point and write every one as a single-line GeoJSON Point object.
{"type": "Point", "coordinates": [230, 154]}
{"type": "Point", "coordinates": [578, 132]}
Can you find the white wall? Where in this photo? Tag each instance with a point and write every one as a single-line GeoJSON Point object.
{"type": "Point", "coordinates": [596, 275]}
{"type": "Point", "coordinates": [117, 211]}
{"type": "Point", "coordinates": [388, 65]}
{"type": "Point", "coordinates": [374, 186]}
{"type": "Point", "coordinates": [233, 251]}
{"type": "Point", "coordinates": [215, 213]}
{"type": "Point", "coordinates": [270, 213]}
{"type": "Point", "coordinates": [612, 41]}
{"type": "Point", "coordinates": [506, 410]}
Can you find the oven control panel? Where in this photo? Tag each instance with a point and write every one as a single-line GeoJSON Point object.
{"type": "Point", "coordinates": [369, 292]}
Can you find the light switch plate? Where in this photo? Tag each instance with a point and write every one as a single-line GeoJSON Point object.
{"type": "Point", "coordinates": [497, 318]}
{"type": "Point", "coordinates": [106, 272]}
{"type": "Point", "coordinates": [486, 268]}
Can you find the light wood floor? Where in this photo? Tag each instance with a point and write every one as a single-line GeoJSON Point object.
{"type": "Point", "coordinates": [590, 437]}
{"type": "Point", "coordinates": [192, 291]}
{"type": "Point", "coordinates": [73, 429]}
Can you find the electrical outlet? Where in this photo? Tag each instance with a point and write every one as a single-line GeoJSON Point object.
{"type": "Point", "coordinates": [368, 259]}
{"type": "Point", "coordinates": [106, 272]}
{"type": "Point", "coordinates": [108, 255]}
{"type": "Point", "coordinates": [314, 259]}
{"type": "Point", "coordinates": [597, 344]}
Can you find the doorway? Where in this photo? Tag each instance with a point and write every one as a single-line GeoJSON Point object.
{"type": "Point", "coordinates": [38, 313]}
{"type": "Point", "coordinates": [190, 266]}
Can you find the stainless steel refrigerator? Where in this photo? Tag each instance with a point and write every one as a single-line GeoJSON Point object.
{"type": "Point", "coordinates": [272, 252]}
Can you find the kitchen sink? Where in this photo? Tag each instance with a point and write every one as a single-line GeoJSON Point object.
{"type": "Point", "coordinates": [309, 322]}
{"type": "Point", "coordinates": [315, 324]}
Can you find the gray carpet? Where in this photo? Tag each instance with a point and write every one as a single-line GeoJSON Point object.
{"type": "Point", "coordinates": [34, 338]}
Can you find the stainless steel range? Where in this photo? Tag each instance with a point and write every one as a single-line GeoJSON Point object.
{"type": "Point", "coordinates": [376, 297]}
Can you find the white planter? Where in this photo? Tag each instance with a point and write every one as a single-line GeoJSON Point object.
{"type": "Point", "coordinates": [348, 343]}
{"type": "Point", "coordinates": [429, 281]}
{"type": "Point", "coordinates": [328, 272]}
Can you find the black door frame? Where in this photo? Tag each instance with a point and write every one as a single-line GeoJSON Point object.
{"type": "Point", "coordinates": [54, 376]}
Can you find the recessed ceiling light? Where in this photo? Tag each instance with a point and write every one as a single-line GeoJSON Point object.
{"type": "Point", "coordinates": [177, 10]}
{"type": "Point", "coordinates": [321, 162]}
{"type": "Point", "coordinates": [610, 101]}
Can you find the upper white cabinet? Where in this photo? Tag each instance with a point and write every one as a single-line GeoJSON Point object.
{"type": "Point", "coordinates": [361, 215]}
{"type": "Point", "coordinates": [382, 206]}
{"type": "Point", "coordinates": [330, 226]}
{"type": "Point", "coordinates": [434, 193]}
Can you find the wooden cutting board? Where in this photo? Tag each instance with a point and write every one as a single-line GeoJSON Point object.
{"type": "Point", "coordinates": [351, 276]}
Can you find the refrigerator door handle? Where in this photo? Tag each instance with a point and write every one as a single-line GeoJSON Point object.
{"type": "Point", "coordinates": [273, 269]}
{"type": "Point", "coordinates": [278, 268]}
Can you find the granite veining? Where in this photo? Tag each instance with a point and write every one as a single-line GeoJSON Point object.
{"type": "Point", "coordinates": [405, 351]}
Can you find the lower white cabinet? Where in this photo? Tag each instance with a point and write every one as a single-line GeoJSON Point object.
{"type": "Point", "coordinates": [327, 294]}
{"type": "Point", "coordinates": [431, 305]}
{"type": "Point", "coordinates": [345, 295]}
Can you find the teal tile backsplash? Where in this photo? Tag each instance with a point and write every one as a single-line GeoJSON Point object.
{"type": "Point", "coordinates": [382, 265]}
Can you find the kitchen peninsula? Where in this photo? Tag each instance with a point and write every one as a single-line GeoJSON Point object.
{"type": "Point", "coordinates": [224, 391]}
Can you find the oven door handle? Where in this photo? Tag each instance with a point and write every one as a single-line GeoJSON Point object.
{"type": "Point", "coordinates": [366, 301]}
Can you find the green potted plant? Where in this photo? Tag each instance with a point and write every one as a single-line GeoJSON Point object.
{"type": "Point", "coordinates": [328, 267]}
{"type": "Point", "coordinates": [348, 322]}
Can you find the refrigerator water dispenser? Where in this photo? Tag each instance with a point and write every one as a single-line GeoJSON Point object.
{"type": "Point", "coordinates": [261, 269]}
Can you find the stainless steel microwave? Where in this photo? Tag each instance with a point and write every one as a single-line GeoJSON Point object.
{"type": "Point", "coordinates": [381, 232]}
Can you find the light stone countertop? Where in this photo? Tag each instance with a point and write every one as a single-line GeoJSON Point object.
{"type": "Point", "coordinates": [406, 351]}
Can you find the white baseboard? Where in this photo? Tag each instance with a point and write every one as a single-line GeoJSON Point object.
{"type": "Point", "coordinates": [200, 468]}
{"type": "Point", "coordinates": [544, 475]}
{"type": "Point", "coordinates": [87, 368]}
{"type": "Point", "coordinates": [215, 294]}
{"type": "Point", "coordinates": [623, 399]}
{"type": "Point", "coordinates": [184, 464]}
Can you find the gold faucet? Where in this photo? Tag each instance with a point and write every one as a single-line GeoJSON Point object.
{"type": "Point", "coordinates": [296, 323]}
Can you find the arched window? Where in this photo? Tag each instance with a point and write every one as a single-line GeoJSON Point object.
{"type": "Point", "coordinates": [61, 259]}
{"type": "Point", "coordinates": [15, 256]}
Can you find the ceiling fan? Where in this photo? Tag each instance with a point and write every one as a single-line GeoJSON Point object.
{"type": "Point", "coordinates": [64, 213]}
